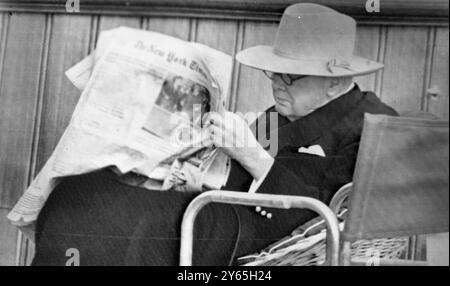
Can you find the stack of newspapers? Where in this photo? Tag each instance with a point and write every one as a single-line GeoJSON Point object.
{"type": "Point", "coordinates": [143, 97]}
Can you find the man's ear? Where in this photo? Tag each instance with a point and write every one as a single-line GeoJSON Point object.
{"type": "Point", "coordinates": [334, 86]}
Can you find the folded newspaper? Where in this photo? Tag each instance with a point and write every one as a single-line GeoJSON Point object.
{"type": "Point", "coordinates": [143, 95]}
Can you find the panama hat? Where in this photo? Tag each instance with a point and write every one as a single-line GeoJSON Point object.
{"type": "Point", "coordinates": [311, 40]}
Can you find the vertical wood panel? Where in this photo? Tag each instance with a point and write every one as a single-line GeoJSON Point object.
{"type": "Point", "coordinates": [21, 88]}
{"type": "Point", "coordinates": [94, 26]}
{"type": "Point", "coordinates": [367, 46]}
{"type": "Point", "coordinates": [381, 58]}
{"type": "Point", "coordinates": [69, 43]}
{"type": "Point", "coordinates": [111, 22]}
{"type": "Point", "coordinates": [193, 27]}
{"type": "Point", "coordinates": [221, 35]}
{"type": "Point", "coordinates": [26, 249]}
{"type": "Point", "coordinates": [8, 238]}
{"type": "Point", "coordinates": [176, 27]}
{"type": "Point", "coordinates": [404, 72]}
{"type": "Point", "coordinates": [3, 29]}
{"type": "Point", "coordinates": [2, 18]}
{"type": "Point", "coordinates": [236, 73]}
{"type": "Point", "coordinates": [254, 89]}
{"type": "Point", "coordinates": [440, 74]}
{"type": "Point", "coordinates": [19, 94]}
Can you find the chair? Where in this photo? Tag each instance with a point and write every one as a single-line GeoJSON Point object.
{"type": "Point", "coordinates": [400, 184]}
{"type": "Point", "coordinates": [399, 189]}
{"type": "Point", "coordinates": [264, 200]}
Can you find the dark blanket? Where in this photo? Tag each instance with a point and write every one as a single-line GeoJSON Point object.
{"type": "Point", "coordinates": [114, 224]}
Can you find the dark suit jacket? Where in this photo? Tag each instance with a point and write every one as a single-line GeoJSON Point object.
{"type": "Point", "coordinates": [115, 224]}
{"type": "Point", "coordinates": [336, 127]}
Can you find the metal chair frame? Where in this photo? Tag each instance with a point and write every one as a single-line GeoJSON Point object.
{"type": "Point", "coordinates": [264, 200]}
{"type": "Point", "coordinates": [337, 252]}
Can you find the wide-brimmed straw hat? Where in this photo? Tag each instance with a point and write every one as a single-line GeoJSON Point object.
{"type": "Point", "coordinates": [311, 40]}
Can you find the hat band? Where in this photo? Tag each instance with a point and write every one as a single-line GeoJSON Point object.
{"type": "Point", "coordinates": [331, 63]}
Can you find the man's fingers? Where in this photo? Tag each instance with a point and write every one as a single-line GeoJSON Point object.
{"type": "Point", "coordinates": [207, 138]}
{"type": "Point", "coordinates": [216, 135]}
{"type": "Point", "coordinates": [205, 120]}
{"type": "Point", "coordinates": [216, 120]}
{"type": "Point", "coordinates": [212, 118]}
{"type": "Point", "coordinates": [214, 131]}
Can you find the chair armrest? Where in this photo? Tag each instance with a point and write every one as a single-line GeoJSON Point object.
{"type": "Point", "coordinates": [264, 200]}
{"type": "Point", "coordinates": [340, 196]}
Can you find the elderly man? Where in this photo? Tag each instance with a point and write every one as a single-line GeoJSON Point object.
{"type": "Point", "coordinates": [319, 121]}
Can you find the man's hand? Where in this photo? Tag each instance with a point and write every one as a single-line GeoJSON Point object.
{"type": "Point", "coordinates": [232, 134]}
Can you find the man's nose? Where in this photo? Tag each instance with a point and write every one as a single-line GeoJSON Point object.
{"type": "Point", "coordinates": [277, 83]}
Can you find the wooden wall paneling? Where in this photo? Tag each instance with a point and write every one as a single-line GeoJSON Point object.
{"type": "Point", "coordinates": [19, 92]}
{"type": "Point", "coordinates": [381, 58]}
{"type": "Point", "coordinates": [25, 248]}
{"type": "Point", "coordinates": [421, 12]}
{"type": "Point", "coordinates": [439, 75]}
{"type": "Point", "coordinates": [8, 239]}
{"type": "Point", "coordinates": [8, 233]}
{"type": "Point", "coordinates": [93, 36]}
{"type": "Point", "coordinates": [367, 45]}
{"type": "Point", "coordinates": [254, 92]}
{"type": "Point", "coordinates": [176, 27]}
{"type": "Point", "coordinates": [69, 43]}
{"type": "Point", "coordinates": [405, 62]}
{"type": "Point", "coordinates": [193, 26]}
{"type": "Point", "coordinates": [111, 22]}
{"type": "Point", "coordinates": [3, 16]}
{"type": "Point", "coordinates": [3, 29]}
{"type": "Point", "coordinates": [431, 34]}
{"type": "Point", "coordinates": [221, 35]}
{"type": "Point", "coordinates": [236, 72]}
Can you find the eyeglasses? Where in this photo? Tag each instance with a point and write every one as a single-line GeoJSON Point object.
{"type": "Point", "coordinates": [288, 79]}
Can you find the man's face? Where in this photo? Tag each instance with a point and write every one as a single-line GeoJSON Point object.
{"type": "Point", "coordinates": [301, 98]}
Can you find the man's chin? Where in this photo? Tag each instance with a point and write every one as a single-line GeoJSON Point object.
{"type": "Point", "coordinates": [281, 109]}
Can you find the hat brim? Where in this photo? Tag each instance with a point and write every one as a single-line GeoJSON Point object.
{"type": "Point", "coordinates": [263, 57]}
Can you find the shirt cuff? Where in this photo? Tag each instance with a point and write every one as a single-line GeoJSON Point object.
{"type": "Point", "coordinates": [256, 183]}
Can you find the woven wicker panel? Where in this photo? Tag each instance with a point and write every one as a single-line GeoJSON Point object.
{"type": "Point", "coordinates": [307, 248]}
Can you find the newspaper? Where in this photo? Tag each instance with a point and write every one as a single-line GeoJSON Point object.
{"type": "Point", "coordinates": [143, 96]}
